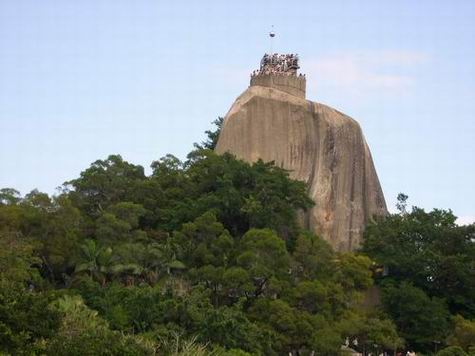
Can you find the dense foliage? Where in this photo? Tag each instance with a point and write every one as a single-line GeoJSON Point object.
{"type": "Point", "coordinates": [206, 256]}
{"type": "Point", "coordinates": [428, 282]}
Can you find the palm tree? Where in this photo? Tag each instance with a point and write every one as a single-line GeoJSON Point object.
{"type": "Point", "coordinates": [128, 271]}
{"type": "Point", "coordinates": [169, 260]}
{"type": "Point", "coordinates": [95, 260]}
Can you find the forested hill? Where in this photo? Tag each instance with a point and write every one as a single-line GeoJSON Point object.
{"type": "Point", "coordinates": [206, 257]}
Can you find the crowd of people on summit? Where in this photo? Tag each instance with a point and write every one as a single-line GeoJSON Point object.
{"type": "Point", "coordinates": [286, 64]}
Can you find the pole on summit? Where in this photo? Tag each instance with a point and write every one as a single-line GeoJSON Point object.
{"type": "Point", "coordinates": [271, 36]}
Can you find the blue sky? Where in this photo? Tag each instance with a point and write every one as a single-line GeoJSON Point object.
{"type": "Point", "coordinates": [80, 80]}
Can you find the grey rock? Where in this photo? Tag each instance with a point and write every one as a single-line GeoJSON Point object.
{"type": "Point", "coordinates": [318, 145]}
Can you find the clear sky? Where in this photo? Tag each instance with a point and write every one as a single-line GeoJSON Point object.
{"type": "Point", "coordinates": [80, 80]}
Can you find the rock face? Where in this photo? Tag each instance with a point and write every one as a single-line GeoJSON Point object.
{"type": "Point", "coordinates": [318, 145]}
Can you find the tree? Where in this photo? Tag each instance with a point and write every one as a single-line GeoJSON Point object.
{"type": "Point", "coordinates": [17, 260]}
{"type": "Point", "coordinates": [95, 260]}
{"type": "Point", "coordinates": [83, 332]}
{"type": "Point", "coordinates": [452, 351]}
{"type": "Point", "coordinates": [421, 320]}
{"type": "Point", "coordinates": [204, 241]}
{"type": "Point", "coordinates": [120, 222]}
{"type": "Point", "coordinates": [25, 318]}
{"type": "Point", "coordinates": [354, 272]}
{"type": "Point", "coordinates": [246, 195]}
{"type": "Point", "coordinates": [212, 136]}
{"type": "Point", "coordinates": [206, 256]}
{"type": "Point", "coordinates": [9, 196]}
{"type": "Point", "coordinates": [104, 183]}
{"type": "Point", "coordinates": [370, 332]}
{"type": "Point", "coordinates": [230, 328]}
{"type": "Point", "coordinates": [264, 256]}
{"type": "Point", "coordinates": [463, 334]}
{"type": "Point", "coordinates": [430, 251]}
{"type": "Point", "coordinates": [60, 240]}
{"type": "Point", "coordinates": [290, 329]}
{"type": "Point", "coordinates": [314, 257]}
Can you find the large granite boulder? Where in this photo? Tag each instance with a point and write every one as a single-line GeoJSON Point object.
{"type": "Point", "coordinates": [318, 145]}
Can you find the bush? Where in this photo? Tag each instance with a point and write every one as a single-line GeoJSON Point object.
{"type": "Point", "coordinates": [452, 351]}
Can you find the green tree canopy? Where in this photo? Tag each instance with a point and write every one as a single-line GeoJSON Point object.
{"type": "Point", "coordinates": [430, 251]}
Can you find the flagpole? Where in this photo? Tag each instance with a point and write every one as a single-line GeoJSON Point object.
{"type": "Point", "coordinates": [271, 35]}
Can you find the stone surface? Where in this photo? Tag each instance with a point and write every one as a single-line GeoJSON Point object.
{"type": "Point", "coordinates": [320, 146]}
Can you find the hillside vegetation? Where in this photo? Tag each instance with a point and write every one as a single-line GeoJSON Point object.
{"type": "Point", "coordinates": [206, 256]}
